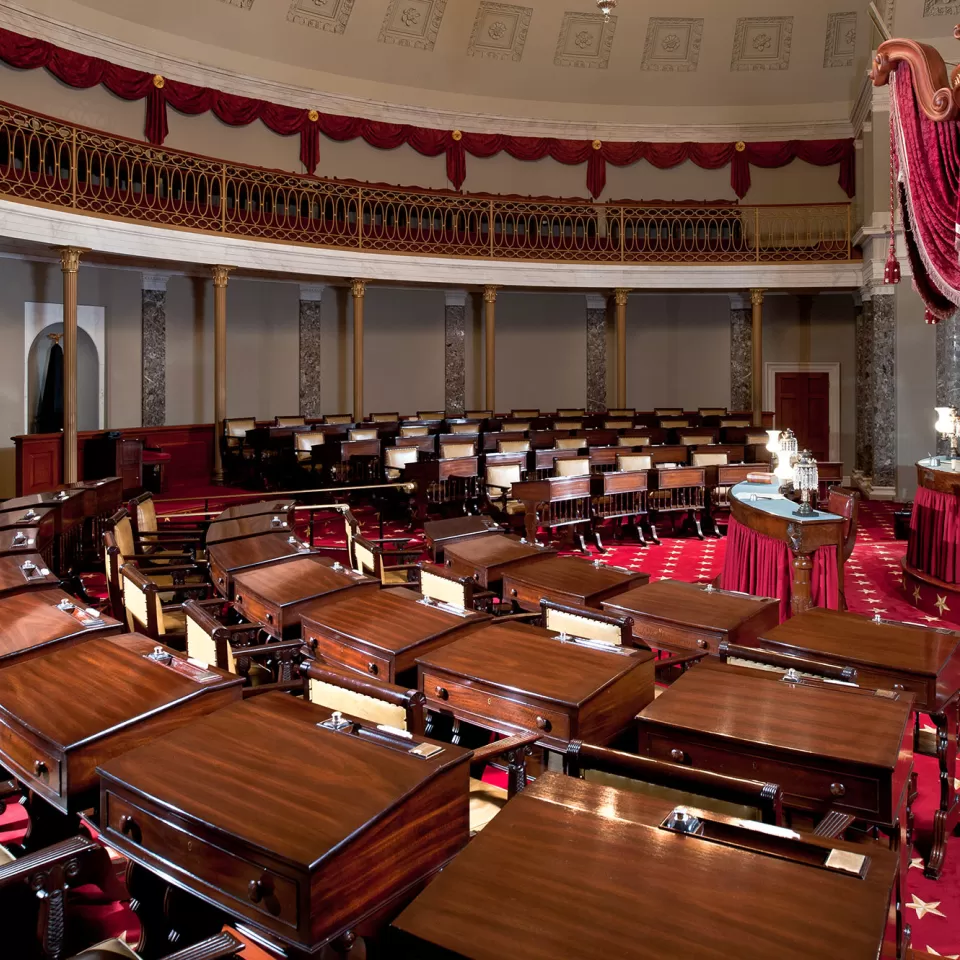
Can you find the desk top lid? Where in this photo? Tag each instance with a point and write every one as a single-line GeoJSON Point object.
{"type": "Point", "coordinates": [33, 618]}
{"type": "Point", "coordinates": [255, 509]}
{"type": "Point", "coordinates": [52, 498]}
{"type": "Point", "coordinates": [495, 548]}
{"type": "Point", "coordinates": [310, 576]}
{"type": "Point", "coordinates": [689, 603]}
{"type": "Point", "coordinates": [25, 570]}
{"type": "Point", "coordinates": [574, 575]}
{"type": "Point", "coordinates": [236, 554]}
{"type": "Point", "coordinates": [320, 786]}
{"type": "Point", "coordinates": [846, 723]}
{"type": "Point", "coordinates": [23, 539]}
{"type": "Point", "coordinates": [242, 527]}
{"type": "Point", "coordinates": [565, 841]}
{"type": "Point", "coordinates": [527, 659]}
{"type": "Point", "coordinates": [860, 640]}
{"type": "Point", "coordinates": [384, 620]}
{"type": "Point", "coordinates": [80, 693]}
{"type": "Point", "coordinates": [29, 516]}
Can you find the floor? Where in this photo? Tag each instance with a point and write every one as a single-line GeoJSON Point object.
{"type": "Point", "coordinates": [872, 585]}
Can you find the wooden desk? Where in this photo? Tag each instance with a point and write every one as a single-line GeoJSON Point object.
{"type": "Point", "coordinates": [677, 490]}
{"type": "Point", "coordinates": [513, 677]}
{"type": "Point", "coordinates": [924, 661]}
{"type": "Point", "coordinates": [439, 533]}
{"type": "Point", "coordinates": [332, 833]}
{"type": "Point", "coordinates": [338, 456]}
{"type": "Point", "coordinates": [234, 556]}
{"type": "Point", "coordinates": [31, 625]}
{"type": "Point", "coordinates": [27, 571]}
{"type": "Point", "coordinates": [544, 460]}
{"type": "Point", "coordinates": [803, 535]}
{"type": "Point", "coordinates": [449, 480]}
{"type": "Point", "coordinates": [568, 580]}
{"type": "Point", "coordinates": [20, 541]}
{"type": "Point", "coordinates": [275, 595]}
{"type": "Point", "coordinates": [67, 507]}
{"type": "Point", "coordinates": [829, 747]}
{"type": "Point", "coordinates": [555, 877]}
{"type": "Point", "coordinates": [487, 558]}
{"type": "Point", "coordinates": [77, 707]}
{"type": "Point", "coordinates": [618, 494]}
{"type": "Point", "coordinates": [382, 634]}
{"type": "Point", "coordinates": [261, 507]}
{"type": "Point", "coordinates": [680, 617]}
{"type": "Point", "coordinates": [554, 502]}
{"type": "Point", "coordinates": [222, 530]}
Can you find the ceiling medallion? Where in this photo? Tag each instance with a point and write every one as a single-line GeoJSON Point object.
{"type": "Point", "coordinates": [606, 7]}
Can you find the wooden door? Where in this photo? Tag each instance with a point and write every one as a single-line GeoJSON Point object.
{"type": "Point", "coordinates": [803, 405]}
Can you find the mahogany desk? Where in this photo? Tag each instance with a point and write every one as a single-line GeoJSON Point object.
{"type": "Point", "coordinates": [67, 507]}
{"type": "Point", "coordinates": [924, 661]}
{"type": "Point", "coordinates": [557, 876]}
{"type": "Point", "coordinates": [23, 539]}
{"type": "Point", "coordinates": [27, 571]}
{"type": "Point", "coordinates": [513, 677]}
{"type": "Point", "coordinates": [568, 580]}
{"type": "Point", "coordinates": [277, 594]}
{"type": "Point", "coordinates": [543, 460]}
{"type": "Point", "coordinates": [32, 625]}
{"type": "Point", "coordinates": [829, 747]}
{"type": "Point", "coordinates": [486, 559]}
{"type": "Point", "coordinates": [680, 617]}
{"type": "Point", "coordinates": [446, 480]}
{"type": "Point", "coordinates": [439, 533]}
{"type": "Point", "coordinates": [382, 634]}
{"type": "Point", "coordinates": [234, 556]}
{"type": "Point", "coordinates": [332, 833]}
{"type": "Point", "coordinates": [62, 715]}
{"type": "Point", "coordinates": [222, 530]}
{"type": "Point", "coordinates": [617, 494]}
{"type": "Point", "coordinates": [257, 509]}
{"type": "Point", "coordinates": [554, 502]}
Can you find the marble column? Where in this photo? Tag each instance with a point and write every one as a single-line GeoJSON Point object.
{"type": "Point", "coordinates": [741, 354]}
{"type": "Point", "coordinates": [596, 353]}
{"type": "Point", "coordinates": [756, 343]}
{"type": "Point", "coordinates": [153, 336]}
{"type": "Point", "coordinates": [881, 417]}
{"type": "Point", "coordinates": [490, 346]}
{"type": "Point", "coordinates": [220, 274]}
{"type": "Point", "coordinates": [620, 300]}
{"type": "Point", "coordinates": [358, 289]}
{"type": "Point", "coordinates": [454, 352]}
{"type": "Point", "coordinates": [70, 265]}
{"type": "Point", "coordinates": [864, 387]}
{"type": "Point", "coordinates": [311, 295]}
{"type": "Point", "coordinates": [948, 369]}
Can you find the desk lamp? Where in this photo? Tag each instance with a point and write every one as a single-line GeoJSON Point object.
{"type": "Point", "coordinates": [947, 426]}
{"type": "Point", "coordinates": [806, 479]}
{"type": "Point", "coordinates": [786, 456]}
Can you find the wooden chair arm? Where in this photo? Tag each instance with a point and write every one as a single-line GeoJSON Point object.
{"type": "Point", "coordinates": [520, 617]}
{"type": "Point", "coordinates": [829, 671]}
{"type": "Point", "coordinates": [267, 649]}
{"type": "Point", "coordinates": [684, 661]}
{"type": "Point", "coordinates": [213, 948]}
{"type": "Point", "coordinates": [498, 748]}
{"type": "Point", "coordinates": [186, 536]}
{"type": "Point", "coordinates": [163, 567]}
{"type": "Point", "coordinates": [92, 859]}
{"type": "Point", "coordinates": [833, 825]}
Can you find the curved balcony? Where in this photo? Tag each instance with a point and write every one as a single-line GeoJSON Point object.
{"type": "Point", "coordinates": [59, 165]}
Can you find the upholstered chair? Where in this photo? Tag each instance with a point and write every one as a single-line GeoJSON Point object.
{"type": "Point", "coordinates": [575, 467]}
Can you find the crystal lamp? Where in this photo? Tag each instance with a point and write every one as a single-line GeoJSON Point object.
{"type": "Point", "coordinates": [806, 480]}
{"type": "Point", "coordinates": [786, 457]}
{"type": "Point", "coordinates": [947, 426]}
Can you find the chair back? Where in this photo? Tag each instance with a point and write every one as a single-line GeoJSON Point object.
{"type": "Point", "coordinates": [737, 422]}
{"type": "Point", "coordinates": [695, 439]}
{"type": "Point", "coordinates": [143, 512]}
{"type": "Point", "coordinates": [141, 598]}
{"type": "Point", "coordinates": [571, 412]}
{"type": "Point", "coordinates": [618, 424]}
{"type": "Point", "coordinates": [362, 433]}
{"type": "Point", "coordinates": [437, 584]}
{"type": "Point", "coordinates": [366, 698]}
{"type": "Point", "coordinates": [202, 628]}
{"type": "Point", "coordinates": [414, 431]}
{"type": "Point", "coordinates": [305, 441]}
{"type": "Point", "coordinates": [431, 414]}
{"type": "Point", "coordinates": [672, 423]}
{"type": "Point", "coordinates": [586, 624]}
{"type": "Point", "coordinates": [756, 658]}
{"type": "Point", "coordinates": [568, 425]}
{"type": "Point", "coordinates": [463, 428]}
{"type": "Point", "coordinates": [622, 412]}
{"type": "Point", "coordinates": [574, 467]}
{"type": "Point", "coordinates": [384, 418]}
{"type": "Point", "coordinates": [709, 459]}
{"type": "Point", "coordinates": [366, 559]}
{"type": "Point", "coordinates": [516, 426]}
{"type": "Point", "coordinates": [668, 411]}
{"type": "Point", "coordinates": [633, 441]}
{"type": "Point", "coordinates": [679, 784]}
{"type": "Point", "coordinates": [845, 503]}
{"type": "Point", "coordinates": [524, 414]}
{"type": "Point", "coordinates": [478, 415]}
{"type": "Point", "coordinates": [237, 427]}
{"type": "Point", "coordinates": [513, 446]}
{"type": "Point", "coordinates": [117, 537]}
{"type": "Point", "coordinates": [712, 411]}
{"type": "Point", "coordinates": [570, 443]}
{"type": "Point", "coordinates": [340, 418]}
{"type": "Point", "coordinates": [502, 476]}
{"type": "Point", "coordinates": [634, 461]}
{"type": "Point", "coordinates": [396, 458]}
{"type": "Point", "coordinates": [449, 451]}
{"type": "Point", "coordinates": [290, 421]}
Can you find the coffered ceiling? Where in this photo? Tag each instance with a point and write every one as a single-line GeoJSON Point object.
{"type": "Point", "coordinates": [655, 61]}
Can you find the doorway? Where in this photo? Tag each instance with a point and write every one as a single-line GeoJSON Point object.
{"type": "Point", "coordinates": [803, 403]}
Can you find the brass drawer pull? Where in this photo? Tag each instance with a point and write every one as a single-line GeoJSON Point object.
{"type": "Point", "coordinates": [255, 891]}
{"type": "Point", "coordinates": [373, 668]}
{"type": "Point", "coordinates": [442, 693]}
{"type": "Point", "coordinates": [677, 756]}
{"type": "Point", "coordinates": [269, 618]}
{"type": "Point", "coordinates": [837, 789]}
{"type": "Point", "coordinates": [701, 643]}
{"type": "Point", "coordinates": [239, 598]}
{"type": "Point", "coordinates": [40, 768]}
{"type": "Point", "coordinates": [544, 724]}
{"type": "Point", "coordinates": [130, 828]}
{"type": "Point", "coordinates": [513, 592]}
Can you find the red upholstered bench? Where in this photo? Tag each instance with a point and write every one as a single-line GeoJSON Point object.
{"type": "Point", "coordinates": [157, 459]}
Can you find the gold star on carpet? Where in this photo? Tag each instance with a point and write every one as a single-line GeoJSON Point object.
{"type": "Point", "coordinates": [924, 908]}
{"type": "Point", "coordinates": [946, 956]}
{"type": "Point", "coordinates": [916, 862]}
{"type": "Point", "coordinates": [942, 605]}
{"type": "Point", "coordinates": [916, 595]}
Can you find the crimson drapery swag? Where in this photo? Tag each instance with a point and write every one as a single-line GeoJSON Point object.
{"type": "Point", "coordinates": [80, 70]}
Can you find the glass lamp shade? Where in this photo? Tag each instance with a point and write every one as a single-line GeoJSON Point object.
{"type": "Point", "coordinates": [786, 456]}
{"type": "Point", "coordinates": [806, 474]}
{"type": "Point", "coordinates": [946, 418]}
{"type": "Point", "coordinates": [773, 443]}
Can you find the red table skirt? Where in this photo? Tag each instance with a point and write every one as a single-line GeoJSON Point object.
{"type": "Point", "coordinates": [935, 535]}
{"type": "Point", "coordinates": [761, 566]}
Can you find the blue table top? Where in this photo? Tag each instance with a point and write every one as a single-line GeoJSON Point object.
{"type": "Point", "coordinates": [764, 496]}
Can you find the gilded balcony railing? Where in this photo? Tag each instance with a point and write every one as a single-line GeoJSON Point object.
{"type": "Point", "coordinates": [56, 164]}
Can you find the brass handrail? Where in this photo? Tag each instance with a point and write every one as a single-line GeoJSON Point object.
{"type": "Point", "coordinates": [51, 163]}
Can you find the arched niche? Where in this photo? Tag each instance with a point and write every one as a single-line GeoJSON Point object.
{"type": "Point", "coordinates": [41, 319]}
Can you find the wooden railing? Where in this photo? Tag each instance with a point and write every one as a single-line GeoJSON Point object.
{"type": "Point", "coordinates": [56, 164]}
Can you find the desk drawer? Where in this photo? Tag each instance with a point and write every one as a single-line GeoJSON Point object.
{"type": "Point", "coordinates": [259, 890]}
{"type": "Point", "coordinates": [257, 611]}
{"type": "Point", "coordinates": [529, 595]}
{"type": "Point", "coordinates": [221, 580]}
{"type": "Point", "coordinates": [803, 786]}
{"type": "Point", "coordinates": [39, 765]}
{"type": "Point", "coordinates": [551, 720]}
{"type": "Point", "coordinates": [674, 636]}
{"type": "Point", "coordinates": [337, 651]}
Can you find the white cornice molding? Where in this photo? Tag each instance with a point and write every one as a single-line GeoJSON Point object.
{"type": "Point", "coordinates": [169, 247]}
{"type": "Point", "coordinates": [70, 37]}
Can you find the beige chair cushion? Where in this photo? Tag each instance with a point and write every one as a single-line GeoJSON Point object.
{"type": "Point", "coordinates": [674, 422]}
{"type": "Point", "coordinates": [449, 451]}
{"type": "Point", "coordinates": [570, 443]}
{"type": "Point", "coordinates": [478, 414]}
{"type": "Point", "coordinates": [339, 418]}
{"type": "Point", "coordinates": [576, 467]}
{"type": "Point", "coordinates": [568, 425]}
{"type": "Point", "coordinates": [290, 421]}
{"type": "Point", "coordinates": [513, 507]}
{"type": "Point", "coordinates": [123, 534]}
{"type": "Point", "coordinates": [517, 426]}
{"type": "Point", "coordinates": [736, 422]}
{"type": "Point", "coordinates": [486, 801]}
{"type": "Point", "coordinates": [357, 705]}
{"type": "Point", "coordinates": [501, 477]}
{"type": "Point", "coordinates": [174, 621]}
{"type": "Point", "coordinates": [239, 428]}
{"type": "Point", "coordinates": [713, 411]}
{"type": "Point", "coordinates": [399, 457]}
{"type": "Point", "coordinates": [635, 461]}
{"type": "Point", "coordinates": [365, 561]}
{"type": "Point", "coordinates": [107, 951]}
{"type": "Point", "coordinates": [513, 446]}
{"type": "Point", "coordinates": [633, 441]}
{"type": "Point", "coordinates": [709, 460]}
{"type": "Point", "coordinates": [5, 856]}
{"type": "Point", "coordinates": [621, 412]}
{"type": "Point", "coordinates": [362, 434]}
{"type": "Point", "coordinates": [668, 411]}
{"type": "Point", "coordinates": [585, 626]}
{"type": "Point", "coordinates": [384, 417]}
{"type": "Point", "coordinates": [571, 412]}
{"type": "Point", "coordinates": [414, 431]}
{"type": "Point", "coordinates": [443, 589]}
{"type": "Point", "coordinates": [431, 414]}
{"type": "Point", "coordinates": [672, 796]}
{"type": "Point", "coordinates": [618, 424]}
{"type": "Point", "coordinates": [694, 439]}
{"type": "Point", "coordinates": [147, 516]}
{"type": "Point", "coordinates": [305, 442]}
{"type": "Point", "coordinates": [463, 428]}
{"type": "Point", "coordinates": [525, 412]}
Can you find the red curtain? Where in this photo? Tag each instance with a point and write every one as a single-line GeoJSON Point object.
{"type": "Point", "coordinates": [934, 546]}
{"type": "Point", "coordinates": [79, 70]}
{"type": "Point", "coordinates": [824, 588]}
{"type": "Point", "coordinates": [927, 156]}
